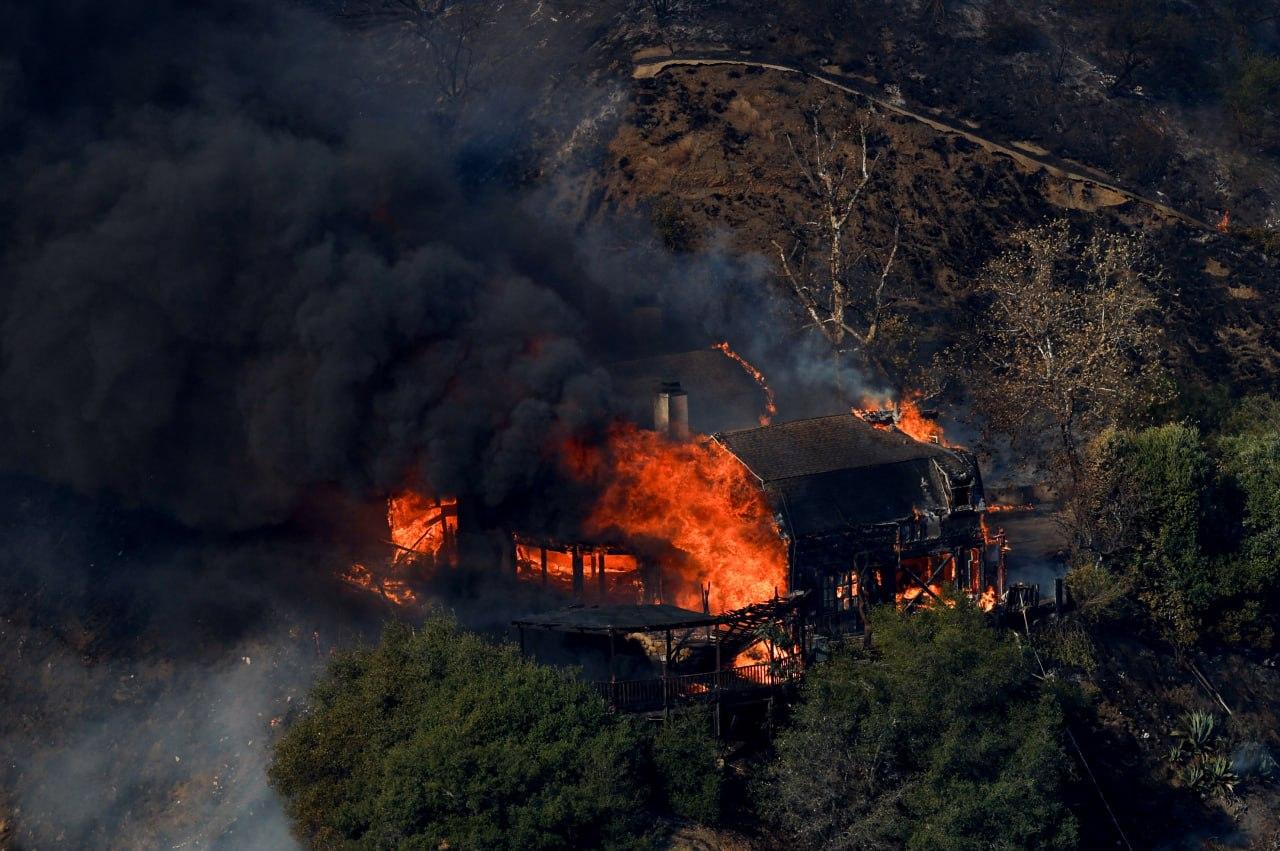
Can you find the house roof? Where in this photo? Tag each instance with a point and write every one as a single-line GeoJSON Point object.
{"type": "Point", "coordinates": [628, 618]}
{"type": "Point", "coordinates": [832, 473]}
{"type": "Point", "coordinates": [721, 394]}
{"type": "Point", "coordinates": [826, 444]}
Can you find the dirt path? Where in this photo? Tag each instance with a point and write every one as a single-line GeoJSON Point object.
{"type": "Point", "coordinates": [1096, 189]}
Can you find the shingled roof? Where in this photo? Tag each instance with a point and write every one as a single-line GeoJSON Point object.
{"type": "Point", "coordinates": [826, 444]}
{"type": "Point", "coordinates": [837, 472]}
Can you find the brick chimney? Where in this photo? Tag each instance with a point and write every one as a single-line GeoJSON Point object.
{"type": "Point", "coordinates": [671, 411]}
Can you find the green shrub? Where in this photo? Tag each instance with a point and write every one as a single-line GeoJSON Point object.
{"type": "Point", "coordinates": [689, 767]}
{"type": "Point", "coordinates": [436, 739]}
{"type": "Point", "coordinates": [1193, 525]}
{"type": "Point", "coordinates": [1166, 475]}
{"type": "Point", "coordinates": [1097, 593]}
{"type": "Point", "coordinates": [1066, 643]}
{"type": "Point", "coordinates": [941, 737]}
{"type": "Point", "coordinates": [1254, 99]}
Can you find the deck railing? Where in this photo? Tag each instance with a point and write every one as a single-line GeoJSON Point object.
{"type": "Point", "coordinates": [685, 688]}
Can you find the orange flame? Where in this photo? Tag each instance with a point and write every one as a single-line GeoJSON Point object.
{"type": "Point", "coordinates": [695, 496]}
{"type": "Point", "coordinates": [770, 406]}
{"type": "Point", "coordinates": [421, 528]}
{"type": "Point", "coordinates": [393, 590]}
{"type": "Point", "coordinates": [906, 417]}
{"type": "Point", "coordinates": [420, 525]}
{"type": "Point", "coordinates": [915, 591]}
{"type": "Point", "coordinates": [987, 601]}
{"type": "Point", "coordinates": [1224, 224]}
{"type": "Point", "coordinates": [1002, 507]}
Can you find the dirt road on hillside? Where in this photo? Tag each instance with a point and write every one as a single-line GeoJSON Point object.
{"type": "Point", "coordinates": [1095, 186]}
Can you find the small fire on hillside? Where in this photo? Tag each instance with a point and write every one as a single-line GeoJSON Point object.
{"type": "Point", "coordinates": [904, 414]}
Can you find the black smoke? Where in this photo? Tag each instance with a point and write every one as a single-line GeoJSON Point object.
{"type": "Point", "coordinates": [235, 271]}
{"type": "Point", "coordinates": [254, 275]}
{"type": "Point", "coordinates": [245, 272]}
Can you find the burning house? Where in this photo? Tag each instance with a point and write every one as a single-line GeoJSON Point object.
{"type": "Point", "coordinates": [845, 510]}
{"type": "Point", "coordinates": [862, 513]}
{"type": "Point", "coordinates": [872, 514]}
{"type": "Point", "coordinates": [705, 562]}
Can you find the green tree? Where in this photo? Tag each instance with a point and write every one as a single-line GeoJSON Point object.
{"type": "Point", "coordinates": [437, 738]}
{"type": "Point", "coordinates": [1193, 525]}
{"type": "Point", "coordinates": [1251, 575]}
{"type": "Point", "coordinates": [687, 758]}
{"type": "Point", "coordinates": [939, 737]}
{"type": "Point", "coordinates": [1152, 494]}
{"type": "Point", "coordinates": [1254, 99]}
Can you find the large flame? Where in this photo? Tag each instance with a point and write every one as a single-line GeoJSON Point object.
{"type": "Point", "coordinates": [770, 406]}
{"type": "Point", "coordinates": [698, 498]}
{"type": "Point", "coordinates": [421, 530]}
{"type": "Point", "coordinates": [420, 525]}
{"type": "Point", "coordinates": [905, 416]}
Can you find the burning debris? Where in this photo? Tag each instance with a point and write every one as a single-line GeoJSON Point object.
{"type": "Point", "coordinates": [905, 415]}
{"type": "Point", "coordinates": [423, 534]}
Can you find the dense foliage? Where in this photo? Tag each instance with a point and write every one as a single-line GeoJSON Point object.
{"type": "Point", "coordinates": [688, 764]}
{"type": "Point", "coordinates": [437, 739]}
{"type": "Point", "coordinates": [941, 738]}
{"type": "Point", "coordinates": [1254, 99]}
{"type": "Point", "coordinates": [1192, 522]}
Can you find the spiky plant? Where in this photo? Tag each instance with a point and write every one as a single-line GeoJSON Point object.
{"type": "Point", "coordinates": [1192, 775]}
{"type": "Point", "coordinates": [1194, 733]}
{"type": "Point", "coordinates": [1219, 779]}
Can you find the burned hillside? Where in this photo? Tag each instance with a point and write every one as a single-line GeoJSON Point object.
{"type": "Point", "coordinates": [659, 341]}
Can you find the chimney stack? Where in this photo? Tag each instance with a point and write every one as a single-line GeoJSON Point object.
{"type": "Point", "coordinates": [671, 411]}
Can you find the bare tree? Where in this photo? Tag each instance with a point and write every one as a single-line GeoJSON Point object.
{"type": "Point", "coordinates": [1069, 345]}
{"type": "Point", "coordinates": [842, 281]}
{"type": "Point", "coordinates": [663, 14]}
{"type": "Point", "coordinates": [449, 29]}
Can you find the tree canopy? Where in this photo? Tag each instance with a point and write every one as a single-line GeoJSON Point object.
{"type": "Point", "coordinates": [437, 738]}
{"type": "Point", "coordinates": [1193, 521]}
{"type": "Point", "coordinates": [939, 738]}
{"type": "Point", "coordinates": [1069, 342]}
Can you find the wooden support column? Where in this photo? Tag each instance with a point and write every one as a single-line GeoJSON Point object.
{"type": "Point", "coordinates": [542, 558]}
{"type": "Point", "coordinates": [666, 663]}
{"type": "Point", "coordinates": [716, 684]}
{"type": "Point", "coordinates": [577, 572]}
{"type": "Point", "coordinates": [604, 586]}
{"type": "Point", "coordinates": [613, 673]}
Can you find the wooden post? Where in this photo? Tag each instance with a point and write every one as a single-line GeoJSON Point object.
{"type": "Point", "coordinates": [716, 681]}
{"type": "Point", "coordinates": [666, 662]}
{"type": "Point", "coordinates": [542, 558]}
{"type": "Point", "coordinates": [613, 673]}
{"type": "Point", "coordinates": [604, 586]}
{"type": "Point", "coordinates": [577, 572]}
